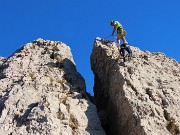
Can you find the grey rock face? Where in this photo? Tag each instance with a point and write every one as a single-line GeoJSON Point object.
{"type": "Point", "coordinates": [41, 93]}
{"type": "Point", "coordinates": [139, 97]}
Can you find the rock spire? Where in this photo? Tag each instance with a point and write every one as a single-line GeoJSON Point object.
{"type": "Point", "coordinates": [41, 93]}
{"type": "Point", "coordinates": [139, 97]}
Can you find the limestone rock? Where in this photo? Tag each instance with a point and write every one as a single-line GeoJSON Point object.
{"type": "Point", "coordinates": [42, 93]}
{"type": "Point", "coordinates": [138, 97]}
{"type": "Point", "coordinates": [2, 59]}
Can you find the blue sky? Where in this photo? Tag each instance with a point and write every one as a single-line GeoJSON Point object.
{"type": "Point", "coordinates": [152, 25]}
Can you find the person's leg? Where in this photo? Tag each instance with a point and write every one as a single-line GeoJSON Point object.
{"type": "Point", "coordinates": [118, 41]}
{"type": "Point", "coordinates": [128, 49]}
{"type": "Point", "coordinates": [122, 52]}
{"type": "Point", "coordinates": [124, 40]}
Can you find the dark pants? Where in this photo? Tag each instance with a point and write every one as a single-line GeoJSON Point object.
{"type": "Point", "coordinates": [123, 50]}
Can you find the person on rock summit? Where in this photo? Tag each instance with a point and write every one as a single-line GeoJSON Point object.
{"type": "Point", "coordinates": [121, 33]}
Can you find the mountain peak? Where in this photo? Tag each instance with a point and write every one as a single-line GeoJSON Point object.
{"type": "Point", "coordinates": [42, 93]}
{"type": "Point", "coordinates": [138, 97]}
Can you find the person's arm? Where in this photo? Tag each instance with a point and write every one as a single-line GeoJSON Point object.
{"type": "Point", "coordinates": [114, 30]}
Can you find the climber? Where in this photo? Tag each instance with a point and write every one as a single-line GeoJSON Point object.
{"type": "Point", "coordinates": [121, 33]}
{"type": "Point", "coordinates": [122, 50]}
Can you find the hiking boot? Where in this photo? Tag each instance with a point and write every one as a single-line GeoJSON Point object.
{"type": "Point", "coordinates": [126, 43]}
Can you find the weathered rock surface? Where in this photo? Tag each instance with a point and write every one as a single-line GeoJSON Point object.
{"type": "Point", "coordinates": [41, 92]}
{"type": "Point", "coordinates": [2, 59]}
{"type": "Point", "coordinates": [140, 97]}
